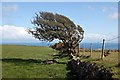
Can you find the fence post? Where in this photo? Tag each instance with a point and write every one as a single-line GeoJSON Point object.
{"type": "Point", "coordinates": [84, 49]}
{"type": "Point", "coordinates": [103, 46]}
{"type": "Point", "coordinates": [90, 49]}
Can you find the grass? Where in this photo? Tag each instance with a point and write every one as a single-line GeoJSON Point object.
{"type": "Point", "coordinates": [20, 62]}
{"type": "Point", "coordinates": [26, 52]}
{"type": "Point", "coordinates": [24, 62]}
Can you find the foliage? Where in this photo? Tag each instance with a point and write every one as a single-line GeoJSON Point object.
{"type": "Point", "coordinates": [106, 53]}
{"type": "Point", "coordinates": [61, 48]}
{"type": "Point", "coordinates": [49, 26]}
{"type": "Point", "coordinates": [87, 71]}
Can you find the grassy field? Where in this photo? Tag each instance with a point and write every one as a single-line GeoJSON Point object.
{"type": "Point", "coordinates": [24, 62]}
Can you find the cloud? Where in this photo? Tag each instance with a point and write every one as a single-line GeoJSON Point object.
{"type": "Point", "coordinates": [19, 34]}
{"type": "Point", "coordinates": [9, 33]}
{"type": "Point", "coordinates": [0, 34]}
{"type": "Point", "coordinates": [15, 34]}
{"type": "Point", "coordinates": [7, 10]}
{"type": "Point", "coordinates": [90, 7]}
{"type": "Point", "coordinates": [104, 9]}
{"type": "Point", "coordinates": [114, 8]}
{"type": "Point", "coordinates": [13, 7]}
{"type": "Point", "coordinates": [113, 15]}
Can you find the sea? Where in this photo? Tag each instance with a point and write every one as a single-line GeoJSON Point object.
{"type": "Point", "coordinates": [94, 46]}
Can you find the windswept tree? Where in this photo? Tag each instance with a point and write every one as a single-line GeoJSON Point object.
{"type": "Point", "coordinates": [50, 26]}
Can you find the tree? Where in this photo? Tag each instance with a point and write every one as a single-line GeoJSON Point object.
{"type": "Point", "coordinates": [50, 26]}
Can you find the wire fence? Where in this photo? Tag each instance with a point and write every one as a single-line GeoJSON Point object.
{"type": "Point", "coordinates": [103, 46]}
{"type": "Point", "coordinates": [98, 45]}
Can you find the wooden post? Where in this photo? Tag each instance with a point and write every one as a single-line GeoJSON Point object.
{"type": "Point", "coordinates": [103, 46]}
{"type": "Point", "coordinates": [90, 49]}
{"type": "Point", "coordinates": [84, 49]}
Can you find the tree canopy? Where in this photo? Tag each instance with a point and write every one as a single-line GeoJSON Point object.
{"type": "Point", "coordinates": [50, 26]}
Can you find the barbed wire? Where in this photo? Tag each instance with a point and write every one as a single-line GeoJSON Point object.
{"type": "Point", "coordinates": [106, 40]}
{"type": "Point", "coordinates": [94, 45]}
{"type": "Point", "coordinates": [114, 38]}
{"type": "Point", "coordinates": [110, 39]}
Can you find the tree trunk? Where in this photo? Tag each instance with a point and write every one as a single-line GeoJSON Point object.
{"type": "Point", "coordinates": [73, 57]}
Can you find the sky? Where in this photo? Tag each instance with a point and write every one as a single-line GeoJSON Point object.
{"type": "Point", "coordinates": [99, 20]}
{"type": "Point", "coordinates": [60, 0]}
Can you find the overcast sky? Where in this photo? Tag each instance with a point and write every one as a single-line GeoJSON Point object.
{"type": "Point", "coordinates": [98, 19]}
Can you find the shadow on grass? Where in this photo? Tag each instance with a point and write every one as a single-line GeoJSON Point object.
{"type": "Point", "coordinates": [33, 79]}
{"type": "Point", "coordinates": [19, 61]}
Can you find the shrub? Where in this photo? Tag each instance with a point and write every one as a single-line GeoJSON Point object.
{"type": "Point", "coordinates": [87, 71]}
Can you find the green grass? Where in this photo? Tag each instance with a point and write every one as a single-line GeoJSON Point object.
{"type": "Point", "coordinates": [19, 62]}
{"type": "Point", "coordinates": [24, 62]}
{"type": "Point", "coordinates": [26, 52]}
